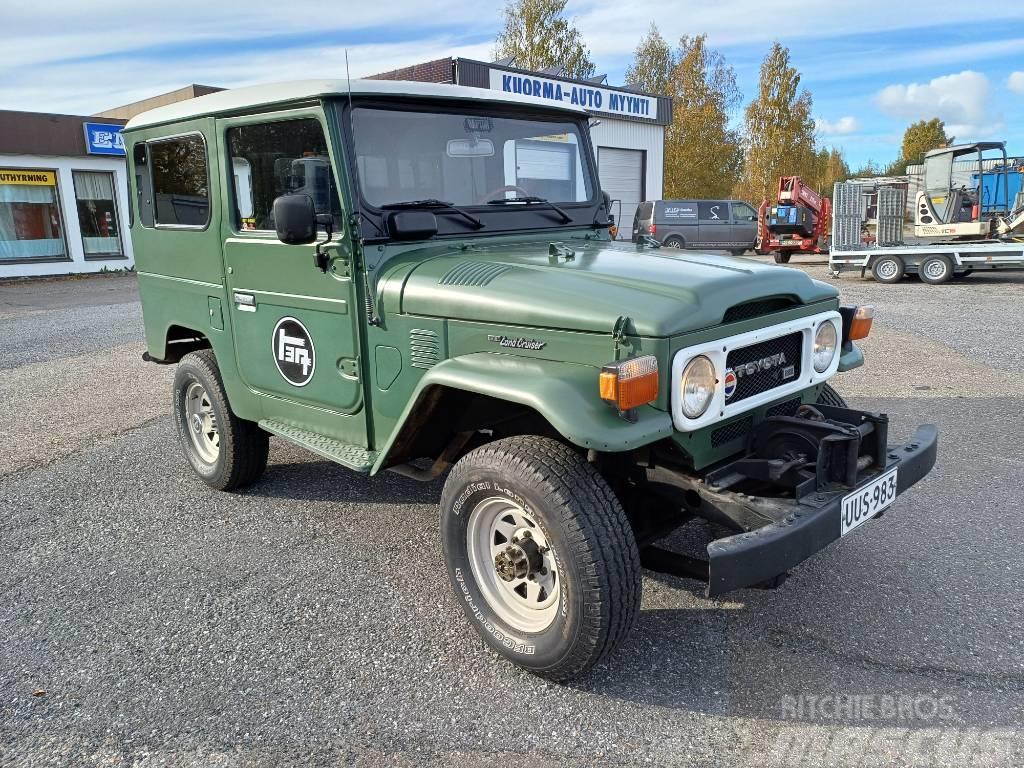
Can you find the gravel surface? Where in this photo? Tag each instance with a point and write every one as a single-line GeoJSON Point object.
{"type": "Point", "coordinates": [150, 621]}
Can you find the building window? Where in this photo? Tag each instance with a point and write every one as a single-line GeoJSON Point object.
{"type": "Point", "coordinates": [181, 181]}
{"type": "Point", "coordinates": [279, 158]}
{"type": "Point", "coordinates": [97, 214]}
{"type": "Point", "coordinates": [30, 221]}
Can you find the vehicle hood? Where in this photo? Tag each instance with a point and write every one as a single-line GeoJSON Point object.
{"type": "Point", "coordinates": [664, 292]}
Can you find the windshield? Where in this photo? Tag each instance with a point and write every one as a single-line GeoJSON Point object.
{"type": "Point", "coordinates": [466, 159]}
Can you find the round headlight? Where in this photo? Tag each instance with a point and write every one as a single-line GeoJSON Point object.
{"type": "Point", "coordinates": [824, 346]}
{"type": "Point", "coordinates": [698, 386]}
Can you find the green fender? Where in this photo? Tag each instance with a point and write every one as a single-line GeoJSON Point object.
{"type": "Point", "coordinates": [563, 393]}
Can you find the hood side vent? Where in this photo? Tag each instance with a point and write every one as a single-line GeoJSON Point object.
{"type": "Point", "coordinates": [751, 309]}
{"type": "Point", "coordinates": [473, 273]}
{"type": "Point", "coordinates": [424, 348]}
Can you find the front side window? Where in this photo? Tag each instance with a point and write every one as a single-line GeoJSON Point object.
{"type": "Point", "coordinates": [181, 181]}
{"type": "Point", "coordinates": [30, 221]}
{"type": "Point", "coordinates": [743, 212]}
{"type": "Point", "coordinates": [466, 159]}
{"type": "Point", "coordinates": [97, 213]}
{"type": "Point", "coordinates": [279, 158]}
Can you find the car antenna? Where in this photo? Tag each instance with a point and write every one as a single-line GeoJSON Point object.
{"type": "Point", "coordinates": [371, 310]}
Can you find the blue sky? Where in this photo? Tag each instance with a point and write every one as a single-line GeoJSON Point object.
{"type": "Point", "coordinates": [873, 66]}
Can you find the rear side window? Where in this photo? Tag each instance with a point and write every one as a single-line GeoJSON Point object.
{"type": "Point", "coordinates": [181, 181]}
{"type": "Point", "coordinates": [279, 158]}
{"type": "Point", "coordinates": [645, 211]}
{"type": "Point", "coordinates": [714, 210]}
{"type": "Point", "coordinates": [677, 212]}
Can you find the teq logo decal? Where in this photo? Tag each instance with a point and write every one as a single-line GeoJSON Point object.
{"type": "Point", "coordinates": [729, 383]}
{"type": "Point", "coordinates": [292, 347]}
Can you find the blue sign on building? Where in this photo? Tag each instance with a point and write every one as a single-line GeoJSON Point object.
{"type": "Point", "coordinates": [103, 139]}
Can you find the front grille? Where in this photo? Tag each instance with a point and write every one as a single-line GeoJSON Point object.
{"type": "Point", "coordinates": [755, 309]}
{"type": "Point", "coordinates": [730, 432]}
{"type": "Point", "coordinates": [759, 368]}
{"type": "Point", "coordinates": [785, 408]}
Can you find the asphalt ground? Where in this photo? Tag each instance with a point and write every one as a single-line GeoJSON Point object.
{"type": "Point", "coordinates": [147, 620]}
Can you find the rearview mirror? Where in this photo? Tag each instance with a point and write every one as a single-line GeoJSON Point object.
{"type": "Point", "coordinates": [470, 148]}
{"type": "Point", "coordinates": [295, 219]}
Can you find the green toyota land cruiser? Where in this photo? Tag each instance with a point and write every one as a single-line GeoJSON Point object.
{"type": "Point", "coordinates": [419, 278]}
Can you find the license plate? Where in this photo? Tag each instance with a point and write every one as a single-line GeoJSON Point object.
{"type": "Point", "coordinates": [867, 501]}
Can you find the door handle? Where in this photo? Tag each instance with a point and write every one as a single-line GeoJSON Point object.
{"type": "Point", "coordinates": [244, 302]}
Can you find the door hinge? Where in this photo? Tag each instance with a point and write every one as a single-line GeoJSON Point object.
{"type": "Point", "coordinates": [349, 367]}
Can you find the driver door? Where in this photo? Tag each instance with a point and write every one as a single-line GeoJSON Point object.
{"type": "Point", "coordinates": [295, 327]}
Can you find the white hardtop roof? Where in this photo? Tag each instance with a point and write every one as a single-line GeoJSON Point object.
{"type": "Point", "coordinates": [238, 99]}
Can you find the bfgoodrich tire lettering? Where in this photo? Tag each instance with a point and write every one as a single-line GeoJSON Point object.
{"type": "Point", "coordinates": [589, 537]}
{"type": "Point", "coordinates": [229, 452]}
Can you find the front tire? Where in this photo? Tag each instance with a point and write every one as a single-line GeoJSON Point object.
{"type": "Point", "coordinates": [888, 269]}
{"type": "Point", "coordinates": [225, 451]}
{"type": "Point", "coordinates": [540, 555]}
{"type": "Point", "coordinates": [782, 258]}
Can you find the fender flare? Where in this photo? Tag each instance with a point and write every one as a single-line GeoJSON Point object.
{"type": "Point", "coordinates": [563, 393]}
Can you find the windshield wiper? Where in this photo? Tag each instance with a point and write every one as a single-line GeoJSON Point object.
{"type": "Point", "coordinates": [528, 199]}
{"type": "Point", "coordinates": [433, 202]}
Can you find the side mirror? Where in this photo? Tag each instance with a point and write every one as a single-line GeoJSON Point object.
{"type": "Point", "coordinates": [295, 219]}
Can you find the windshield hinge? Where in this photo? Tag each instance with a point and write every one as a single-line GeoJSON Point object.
{"type": "Point", "coordinates": [619, 331]}
{"type": "Point", "coordinates": [558, 251]}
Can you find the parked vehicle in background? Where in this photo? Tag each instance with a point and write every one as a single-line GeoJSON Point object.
{"type": "Point", "coordinates": [797, 221]}
{"type": "Point", "coordinates": [729, 225]}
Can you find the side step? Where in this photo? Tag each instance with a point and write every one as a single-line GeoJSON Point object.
{"type": "Point", "coordinates": [354, 457]}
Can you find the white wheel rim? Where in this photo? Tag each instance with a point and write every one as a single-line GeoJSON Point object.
{"type": "Point", "coordinates": [887, 269]}
{"type": "Point", "coordinates": [527, 603]}
{"type": "Point", "coordinates": [935, 269]}
{"type": "Point", "coordinates": [201, 423]}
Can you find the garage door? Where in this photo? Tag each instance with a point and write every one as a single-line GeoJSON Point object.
{"type": "Point", "coordinates": [622, 177]}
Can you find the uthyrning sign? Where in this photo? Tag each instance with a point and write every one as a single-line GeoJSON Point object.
{"type": "Point", "coordinates": [585, 96]}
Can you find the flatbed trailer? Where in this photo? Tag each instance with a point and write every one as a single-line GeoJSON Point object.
{"type": "Point", "coordinates": [934, 262]}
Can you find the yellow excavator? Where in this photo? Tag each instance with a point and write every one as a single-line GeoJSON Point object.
{"type": "Point", "coordinates": [947, 210]}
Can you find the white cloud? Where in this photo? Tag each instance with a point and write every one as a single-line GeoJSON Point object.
{"type": "Point", "coordinates": [962, 101]}
{"type": "Point", "coordinates": [1015, 82]}
{"type": "Point", "coordinates": [841, 127]}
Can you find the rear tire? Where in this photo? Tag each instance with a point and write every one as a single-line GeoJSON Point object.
{"type": "Point", "coordinates": [828, 396]}
{"type": "Point", "coordinates": [674, 241]}
{"type": "Point", "coordinates": [936, 269]}
{"type": "Point", "coordinates": [225, 451]}
{"type": "Point", "coordinates": [540, 555]}
{"type": "Point", "coordinates": [738, 251]}
{"type": "Point", "coordinates": [782, 258]}
{"type": "Point", "coordinates": [888, 269]}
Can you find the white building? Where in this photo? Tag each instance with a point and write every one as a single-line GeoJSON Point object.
{"type": "Point", "coordinates": [628, 129]}
{"type": "Point", "coordinates": [63, 195]}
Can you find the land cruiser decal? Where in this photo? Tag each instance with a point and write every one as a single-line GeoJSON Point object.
{"type": "Point", "coordinates": [519, 343]}
{"type": "Point", "coordinates": [293, 351]}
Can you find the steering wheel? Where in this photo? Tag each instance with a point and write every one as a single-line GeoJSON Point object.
{"type": "Point", "coordinates": [493, 194]}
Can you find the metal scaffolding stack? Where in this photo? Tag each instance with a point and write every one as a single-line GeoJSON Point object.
{"type": "Point", "coordinates": [847, 216]}
{"type": "Point", "coordinates": [892, 203]}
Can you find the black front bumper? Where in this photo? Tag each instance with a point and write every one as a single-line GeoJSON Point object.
{"type": "Point", "coordinates": [810, 523]}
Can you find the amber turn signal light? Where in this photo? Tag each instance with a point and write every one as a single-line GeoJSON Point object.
{"type": "Point", "coordinates": [630, 383]}
{"type": "Point", "coordinates": [860, 325]}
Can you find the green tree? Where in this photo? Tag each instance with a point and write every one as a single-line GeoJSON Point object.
{"type": "Point", "coordinates": [702, 153]}
{"type": "Point", "coordinates": [779, 129]}
{"type": "Point", "coordinates": [537, 35]}
{"type": "Point", "coordinates": [829, 167]}
{"type": "Point", "coordinates": [653, 64]}
{"type": "Point", "coordinates": [919, 138]}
